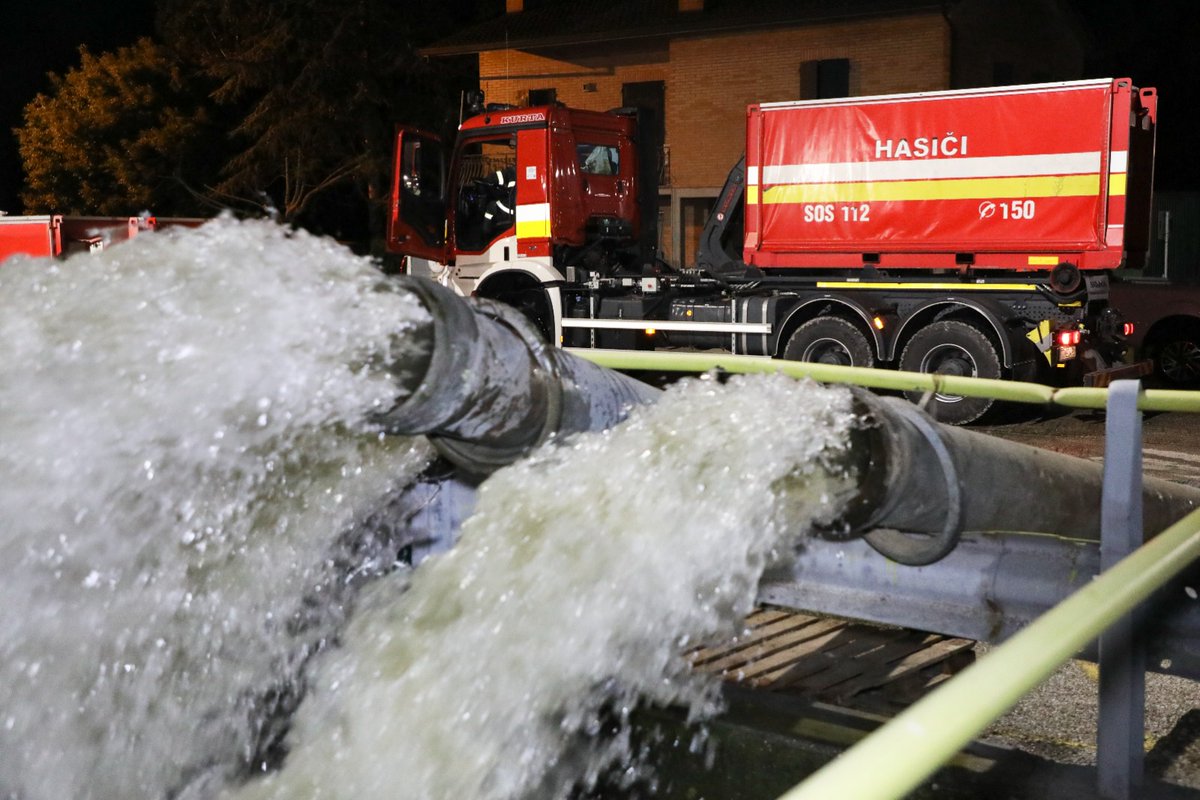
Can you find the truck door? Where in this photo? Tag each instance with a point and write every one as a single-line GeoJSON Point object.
{"type": "Point", "coordinates": [603, 161]}
{"type": "Point", "coordinates": [417, 222]}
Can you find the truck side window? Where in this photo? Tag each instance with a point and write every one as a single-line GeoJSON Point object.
{"type": "Point", "coordinates": [422, 189]}
{"type": "Point", "coordinates": [598, 159]}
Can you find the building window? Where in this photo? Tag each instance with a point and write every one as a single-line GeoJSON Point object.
{"type": "Point", "coordinates": [542, 97]}
{"type": "Point", "coordinates": [826, 78]}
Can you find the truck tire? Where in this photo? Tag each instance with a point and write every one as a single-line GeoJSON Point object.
{"type": "Point", "coordinates": [952, 348]}
{"type": "Point", "coordinates": [830, 340]}
{"type": "Point", "coordinates": [531, 302]}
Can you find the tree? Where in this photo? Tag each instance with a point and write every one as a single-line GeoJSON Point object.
{"type": "Point", "coordinates": [285, 107]}
{"type": "Point", "coordinates": [119, 134]}
{"type": "Point", "coordinates": [321, 85]}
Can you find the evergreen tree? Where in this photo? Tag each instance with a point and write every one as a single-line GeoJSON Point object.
{"type": "Point", "coordinates": [119, 134]}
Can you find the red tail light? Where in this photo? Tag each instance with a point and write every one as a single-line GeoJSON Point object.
{"type": "Point", "coordinates": [1127, 329]}
{"type": "Point", "coordinates": [1068, 338]}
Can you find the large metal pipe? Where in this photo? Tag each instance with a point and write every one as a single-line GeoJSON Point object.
{"type": "Point", "coordinates": [922, 484]}
{"type": "Point", "coordinates": [492, 389]}
{"type": "Point", "coordinates": [931, 496]}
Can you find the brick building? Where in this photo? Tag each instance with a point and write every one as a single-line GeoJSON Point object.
{"type": "Point", "coordinates": [699, 63]}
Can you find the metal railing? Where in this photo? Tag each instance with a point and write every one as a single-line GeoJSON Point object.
{"type": "Point", "coordinates": [899, 756]}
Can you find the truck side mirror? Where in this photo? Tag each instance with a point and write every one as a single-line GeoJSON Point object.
{"type": "Point", "coordinates": [474, 101]}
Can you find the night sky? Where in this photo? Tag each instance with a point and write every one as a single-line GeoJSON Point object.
{"type": "Point", "coordinates": [1154, 42]}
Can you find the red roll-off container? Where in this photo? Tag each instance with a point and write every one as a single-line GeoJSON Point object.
{"type": "Point", "coordinates": [1017, 178]}
{"type": "Point", "coordinates": [60, 235]}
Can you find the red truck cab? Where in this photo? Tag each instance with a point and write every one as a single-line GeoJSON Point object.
{"type": "Point", "coordinates": [522, 182]}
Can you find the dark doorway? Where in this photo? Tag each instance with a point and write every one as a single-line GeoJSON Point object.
{"type": "Point", "coordinates": [650, 97]}
{"type": "Point", "coordinates": [821, 80]}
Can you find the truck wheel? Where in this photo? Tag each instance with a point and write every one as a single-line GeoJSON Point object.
{"type": "Point", "coordinates": [830, 340]}
{"type": "Point", "coordinates": [952, 348]}
{"type": "Point", "coordinates": [531, 302]}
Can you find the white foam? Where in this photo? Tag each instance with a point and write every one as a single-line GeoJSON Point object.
{"type": "Point", "coordinates": [181, 440]}
{"type": "Point", "coordinates": [584, 575]}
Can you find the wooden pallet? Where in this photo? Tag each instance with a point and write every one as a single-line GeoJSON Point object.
{"type": "Point", "coordinates": [851, 664]}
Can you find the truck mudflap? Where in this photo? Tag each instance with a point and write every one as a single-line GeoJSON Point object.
{"type": "Point", "coordinates": [1103, 377]}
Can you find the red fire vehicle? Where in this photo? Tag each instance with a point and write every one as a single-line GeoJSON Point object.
{"type": "Point", "coordinates": [59, 235]}
{"type": "Point", "coordinates": [965, 232]}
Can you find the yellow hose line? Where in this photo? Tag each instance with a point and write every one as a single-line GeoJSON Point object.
{"type": "Point", "coordinates": [896, 758]}
{"type": "Point", "coordinates": [893, 380]}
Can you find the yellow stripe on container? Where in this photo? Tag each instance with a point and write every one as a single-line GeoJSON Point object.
{"type": "Point", "coordinates": [955, 189]}
{"type": "Point", "coordinates": [933, 287]}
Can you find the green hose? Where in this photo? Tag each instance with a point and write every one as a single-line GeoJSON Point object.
{"type": "Point", "coordinates": [893, 380]}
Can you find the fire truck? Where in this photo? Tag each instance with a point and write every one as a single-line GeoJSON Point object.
{"type": "Point", "coordinates": [60, 235]}
{"type": "Point", "coordinates": [965, 232]}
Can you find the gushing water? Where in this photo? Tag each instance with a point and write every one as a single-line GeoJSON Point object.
{"type": "Point", "coordinates": [181, 443]}
{"type": "Point", "coordinates": [584, 575]}
{"type": "Point", "coordinates": [183, 448]}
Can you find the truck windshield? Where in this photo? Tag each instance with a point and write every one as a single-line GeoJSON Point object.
{"type": "Point", "coordinates": [486, 191]}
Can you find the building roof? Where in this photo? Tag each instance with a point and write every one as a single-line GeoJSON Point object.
{"type": "Point", "coordinates": [554, 24]}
